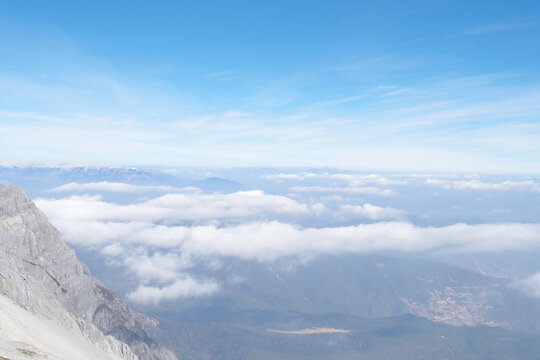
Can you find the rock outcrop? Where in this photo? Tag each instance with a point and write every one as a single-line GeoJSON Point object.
{"type": "Point", "coordinates": [42, 274]}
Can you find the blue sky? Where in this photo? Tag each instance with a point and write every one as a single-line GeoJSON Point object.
{"type": "Point", "coordinates": [387, 85]}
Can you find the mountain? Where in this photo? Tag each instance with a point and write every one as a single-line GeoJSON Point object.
{"type": "Point", "coordinates": [41, 276]}
{"type": "Point", "coordinates": [25, 334]}
{"type": "Point", "coordinates": [39, 180]}
{"type": "Point", "coordinates": [215, 184]}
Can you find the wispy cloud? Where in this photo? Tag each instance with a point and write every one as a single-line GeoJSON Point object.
{"type": "Point", "coordinates": [525, 185]}
{"type": "Point", "coordinates": [439, 122]}
{"type": "Point", "coordinates": [516, 24]}
{"type": "Point", "coordinates": [356, 183]}
{"type": "Point", "coordinates": [372, 211]}
{"type": "Point", "coordinates": [371, 190]}
{"type": "Point", "coordinates": [353, 179]}
{"type": "Point", "coordinates": [386, 62]}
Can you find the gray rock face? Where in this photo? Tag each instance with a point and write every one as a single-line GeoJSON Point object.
{"type": "Point", "coordinates": [40, 272]}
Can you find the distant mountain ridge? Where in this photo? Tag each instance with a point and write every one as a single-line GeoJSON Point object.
{"type": "Point", "coordinates": [38, 179]}
{"type": "Point", "coordinates": [42, 274]}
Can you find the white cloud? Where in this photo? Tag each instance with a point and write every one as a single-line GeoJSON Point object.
{"type": "Point", "coordinates": [370, 190]}
{"type": "Point", "coordinates": [352, 179]}
{"type": "Point", "coordinates": [119, 187]}
{"type": "Point", "coordinates": [91, 233]}
{"type": "Point", "coordinates": [181, 288]}
{"type": "Point", "coordinates": [158, 240]}
{"type": "Point", "coordinates": [423, 175]}
{"type": "Point", "coordinates": [114, 249]}
{"type": "Point", "coordinates": [158, 267]}
{"type": "Point", "coordinates": [175, 207]}
{"type": "Point", "coordinates": [531, 285]}
{"type": "Point", "coordinates": [273, 239]}
{"type": "Point", "coordinates": [525, 185]}
{"type": "Point", "coordinates": [269, 240]}
{"type": "Point", "coordinates": [372, 211]}
{"type": "Point", "coordinates": [239, 204]}
{"type": "Point", "coordinates": [159, 223]}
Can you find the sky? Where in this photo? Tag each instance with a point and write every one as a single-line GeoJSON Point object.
{"type": "Point", "coordinates": [439, 85]}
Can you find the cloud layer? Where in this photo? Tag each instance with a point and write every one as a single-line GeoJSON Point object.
{"type": "Point", "coordinates": [270, 240]}
{"type": "Point", "coordinates": [158, 241]}
{"type": "Point", "coordinates": [176, 207]}
{"type": "Point", "coordinates": [525, 185]}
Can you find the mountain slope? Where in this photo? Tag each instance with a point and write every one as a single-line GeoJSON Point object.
{"type": "Point", "coordinates": [41, 273]}
{"type": "Point", "coordinates": [24, 334]}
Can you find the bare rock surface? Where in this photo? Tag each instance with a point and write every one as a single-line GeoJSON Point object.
{"type": "Point", "coordinates": [41, 273]}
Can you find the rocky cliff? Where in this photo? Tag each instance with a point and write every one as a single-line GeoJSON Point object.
{"type": "Point", "coordinates": [41, 273]}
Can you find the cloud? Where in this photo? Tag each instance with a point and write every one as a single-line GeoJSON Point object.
{"type": "Point", "coordinates": [239, 204]}
{"type": "Point", "coordinates": [353, 179]}
{"type": "Point", "coordinates": [119, 187]}
{"type": "Point", "coordinates": [455, 112]}
{"type": "Point", "coordinates": [159, 267]}
{"type": "Point", "coordinates": [95, 233]}
{"type": "Point", "coordinates": [158, 241]}
{"type": "Point", "coordinates": [525, 185]}
{"type": "Point", "coordinates": [176, 207]}
{"type": "Point", "coordinates": [174, 222]}
{"type": "Point", "coordinates": [181, 288]}
{"type": "Point", "coordinates": [423, 175]}
{"type": "Point", "coordinates": [530, 286]}
{"type": "Point", "coordinates": [114, 249]}
{"type": "Point", "coordinates": [269, 240]}
{"type": "Point", "coordinates": [372, 211]}
{"type": "Point", "coordinates": [371, 190]}
{"type": "Point", "coordinates": [502, 26]}
{"type": "Point", "coordinates": [371, 184]}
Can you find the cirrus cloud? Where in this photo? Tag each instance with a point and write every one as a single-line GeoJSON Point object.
{"type": "Point", "coordinates": [524, 185]}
